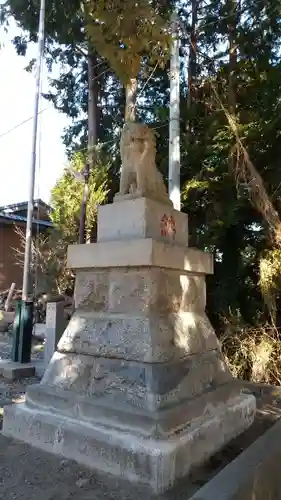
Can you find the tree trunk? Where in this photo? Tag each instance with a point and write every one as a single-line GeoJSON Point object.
{"type": "Point", "coordinates": [232, 26]}
{"type": "Point", "coordinates": [192, 63]}
{"type": "Point", "coordinates": [232, 50]}
{"type": "Point", "coordinates": [92, 108]}
{"type": "Point", "coordinates": [93, 125]}
{"type": "Point", "coordinates": [131, 98]}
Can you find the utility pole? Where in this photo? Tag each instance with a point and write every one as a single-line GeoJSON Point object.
{"type": "Point", "coordinates": [28, 237]}
{"type": "Point", "coordinates": [174, 125]}
{"type": "Point", "coordinates": [24, 318]}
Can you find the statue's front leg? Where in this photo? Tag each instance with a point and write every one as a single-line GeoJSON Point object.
{"type": "Point", "coordinates": [124, 181]}
{"type": "Point", "coordinates": [142, 180]}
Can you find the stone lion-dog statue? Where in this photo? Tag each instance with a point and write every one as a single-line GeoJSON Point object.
{"type": "Point", "coordinates": [139, 174]}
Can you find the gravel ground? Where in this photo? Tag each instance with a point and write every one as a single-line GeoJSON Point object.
{"type": "Point", "coordinates": [11, 392]}
{"type": "Point", "coordinates": [29, 474]}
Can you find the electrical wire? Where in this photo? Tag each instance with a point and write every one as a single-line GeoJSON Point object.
{"type": "Point", "coordinates": [45, 109]}
{"type": "Point", "coordinates": [22, 123]}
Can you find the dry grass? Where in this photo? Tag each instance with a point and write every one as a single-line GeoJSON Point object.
{"type": "Point", "coordinates": [253, 353]}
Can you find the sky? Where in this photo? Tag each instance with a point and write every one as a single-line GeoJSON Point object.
{"type": "Point", "coordinates": [17, 91]}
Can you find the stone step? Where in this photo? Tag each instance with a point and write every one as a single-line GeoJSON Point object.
{"type": "Point", "coordinates": [157, 463]}
{"type": "Point", "coordinates": [143, 385]}
{"type": "Point", "coordinates": [139, 253]}
{"type": "Point", "coordinates": [143, 337]}
{"type": "Point", "coordinates": [118, 413]}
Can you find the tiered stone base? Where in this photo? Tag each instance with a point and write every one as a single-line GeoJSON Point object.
{"type": "Point", "coordinates": [155, 462]}
{"type": "Point", "coordinates": [138, 386]}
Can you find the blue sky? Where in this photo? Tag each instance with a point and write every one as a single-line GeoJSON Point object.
{"type": "Point", "coordinates": [17, 89]}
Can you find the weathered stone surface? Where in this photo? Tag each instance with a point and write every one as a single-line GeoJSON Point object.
{"type": "Point", "coordinates": [132, 219]}
{"type": "Point", "coordinates": [120, 414]}
{"type": "Point", "coordinates": [139, 252]}
{"type": "Point", "coordinates": [143, 385]}
{"type": "Point", "coordinates": [91, 289]}
{"type": "Point", "coordinates": [149, 338]}
{"type": "Point", "coordinates": [134, 290]}
{"type": "Point", "coordinates": [155, 289]}
{"type": "Point", "coordinates": [55, 325]}
{"type": "Point", "coordinates": [39, 331]}
{"type": "Point", "coordinates": [158, 463]}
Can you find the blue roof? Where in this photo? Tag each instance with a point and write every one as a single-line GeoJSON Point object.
{"type": "Point", "coordinates": [23, 205]}
{"type": "Point", "coordinates": [19, 218]}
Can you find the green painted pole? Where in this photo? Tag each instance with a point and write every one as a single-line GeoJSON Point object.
{"type": "Point", "coordinates": [25, 332]}
{"type": "Point", "coordinates": [16, 332]}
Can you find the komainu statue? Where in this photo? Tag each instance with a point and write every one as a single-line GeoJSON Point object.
{"type": "Point", "coordinates": [139, 175]}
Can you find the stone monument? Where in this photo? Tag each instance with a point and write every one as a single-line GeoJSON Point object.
{"type": "Point", "coordinates": [138, 386]}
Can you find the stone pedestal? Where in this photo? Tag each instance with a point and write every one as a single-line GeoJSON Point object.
{"type": "Point", "coordinates": [55, 326]}
{"type": "Point", "coordinates": [138, 386]}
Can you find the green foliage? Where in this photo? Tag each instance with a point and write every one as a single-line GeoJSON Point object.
{"type": "Point", "coordinates": [223, 218]}
{"type": "Point", "coordinates": [51, 253]}
{"type": "Point", "coordinates": [270, 279]}
{"type": "Point", "coordinates": [124, 31]}
{"type": "Point", "coordinates": [67, 195]}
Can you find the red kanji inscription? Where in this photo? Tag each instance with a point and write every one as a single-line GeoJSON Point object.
{"type": "Point", "coordinates": [168, 226]}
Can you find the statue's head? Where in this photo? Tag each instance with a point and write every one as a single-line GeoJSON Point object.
{"type": "Point", "coordinates": [137, 137]}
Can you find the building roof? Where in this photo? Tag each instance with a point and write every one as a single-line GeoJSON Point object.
{"type": "Point", "coordinates": [17, 212]}
{"type": "Point", "coordinates": [16, 207]}
{"type": "Point", "coordinates": [19, 218]}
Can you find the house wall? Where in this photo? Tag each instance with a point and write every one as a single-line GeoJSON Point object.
{"type": "Point", "coordinates": [10, 271]}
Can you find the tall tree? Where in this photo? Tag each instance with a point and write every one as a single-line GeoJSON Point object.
{"type": "Point", "coordinates": [123, 33]}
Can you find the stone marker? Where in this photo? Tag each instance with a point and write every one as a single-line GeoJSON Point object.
{"type": "Point", "coordinates": [55, 325]}
{"type": "Point", "coordinates": [39, 331]}
{"type": "Point", "coordinates": [138, 386]}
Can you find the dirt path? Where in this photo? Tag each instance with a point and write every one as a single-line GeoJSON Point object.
{"type": "Point", "coordinates": [29, 474]}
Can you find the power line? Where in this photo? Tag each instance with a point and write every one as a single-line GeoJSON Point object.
{"type": "Point", "coordinates": [22, 123]}
{"type": "Point", "coordinates": [45, 109]}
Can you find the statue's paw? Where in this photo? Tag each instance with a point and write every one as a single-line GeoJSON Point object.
{"type": "Point", "coordinates": [133, 188]}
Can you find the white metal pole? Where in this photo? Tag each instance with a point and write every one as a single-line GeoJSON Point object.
{"type": "Point", "coordinates": [28, 237]}
{"type": "Point", "coordinates": [174, 126]}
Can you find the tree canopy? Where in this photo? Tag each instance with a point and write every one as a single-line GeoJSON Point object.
{"type": "Point", "coordinates": [124, 31]}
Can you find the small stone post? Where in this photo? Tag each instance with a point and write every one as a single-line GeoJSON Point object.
{"type": "Point", "coordinates": [55, 325]}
